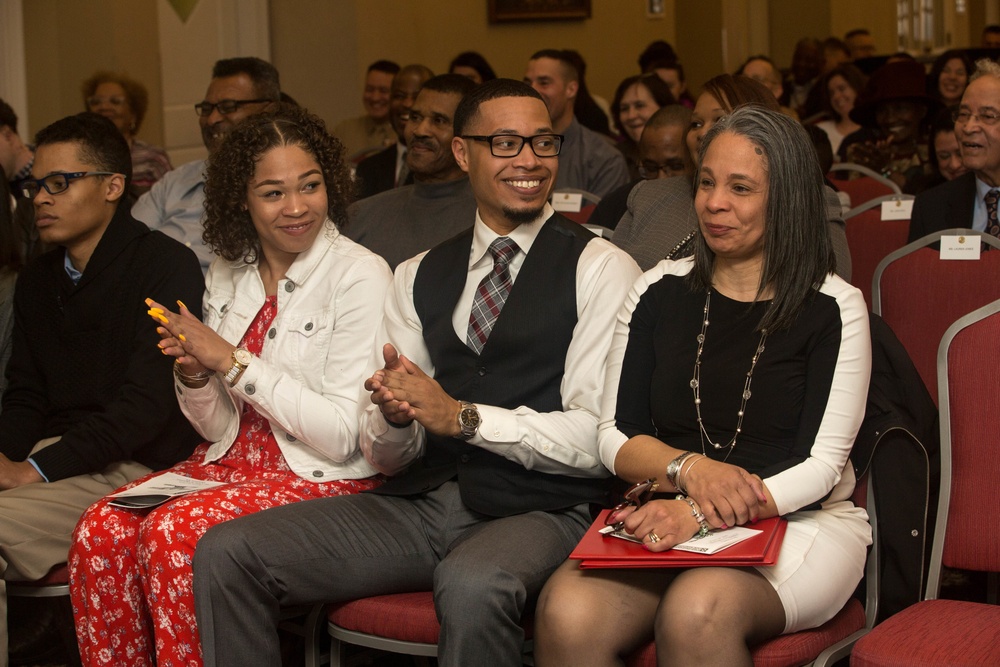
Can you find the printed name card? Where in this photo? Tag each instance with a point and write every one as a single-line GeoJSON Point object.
{"type": "Point", "coordinates": [567, 202]}
{"type": "Point", "coordinates": [960, 247]}
{"type": "Point", "coordinates": [897, 209]}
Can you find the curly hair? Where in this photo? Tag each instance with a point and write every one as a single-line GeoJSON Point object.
{"type": "Point", "coordinates": [135, 93]}
{"type": "Point", "coordinates": [229, 231]}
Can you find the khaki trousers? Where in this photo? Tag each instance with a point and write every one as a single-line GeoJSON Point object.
{"type": "Point", "coordinates": [37, 521]}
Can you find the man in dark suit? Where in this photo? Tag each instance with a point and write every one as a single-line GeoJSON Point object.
{"type": "Point", "coordinates": [387, 169]}
{"type": "Point", "coordinates": [969, 201]}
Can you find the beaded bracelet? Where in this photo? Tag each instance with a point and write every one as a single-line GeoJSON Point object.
{"type": "Point", "coordinates": [703, 527]}
{"type": "Point", "coordinates": [674, 467]}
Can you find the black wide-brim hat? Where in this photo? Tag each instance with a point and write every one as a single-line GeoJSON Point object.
{"type": "Point", "coordinates": [899, 80]}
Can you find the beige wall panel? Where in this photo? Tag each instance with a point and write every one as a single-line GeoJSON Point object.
{"type": "Point", "coordinates": [65, 42]}
{"type": "Point", "coordinates": [791, 20]}
{"type": "Point", "coordinates": [432, 32]}
{"type": "Point", "coordinates": [878, 16]}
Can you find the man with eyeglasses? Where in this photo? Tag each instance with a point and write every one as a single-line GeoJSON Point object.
{"type": "Point", "coordinates": [399, 223]}
{"type": "Point", "coordinates": [662, 154]}
{"type": "Point", "coordinates": [387, 169]}
{"type": "Point", "coordinates": [587, 161]}
{"type": "Point", "coordinates": [969, 201]}
{"type": "Point", "coordinates": [175, 205]}
{"type": "Point", "coordinates": [16, 158]}
{"type": "Point", "coordinates": [90, 404]}
{"type": "Point", "coordinates": [487, 422]}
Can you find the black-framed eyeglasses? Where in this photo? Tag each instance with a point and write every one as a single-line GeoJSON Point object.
{"type": "Point", "coordinates": [510, 145]}
{"type": "Point", "coordinates": [963, 116]}
{"type": "Point", "coordinates": [651, 170]}
{"type": "Point", "coordinates": [56, 183]}
{"type": "Point", "coordinates": [224, 106]}
{"type": "Point", "coordinates": [638, 493]}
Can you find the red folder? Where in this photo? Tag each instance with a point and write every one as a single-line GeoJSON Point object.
{"type": "Point", "coordinates": [597, 551]}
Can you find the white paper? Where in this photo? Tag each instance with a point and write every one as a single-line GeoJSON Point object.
{"type": "Point", "coordinates": [960, 247]}
{"type": "Point", "coordinates": [567, 202]}
{"type": "Point", "coordinates": [714, 542]}
{"type": "Point", "coordinates": [897, 209]}
{"type": "Point", "coordinates": [159, 490]}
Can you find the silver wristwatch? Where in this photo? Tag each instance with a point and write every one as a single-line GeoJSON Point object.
{"type": "Point", "coordinates": [468, 420]}
{"type": "Point", "coordinates": [241, 359]}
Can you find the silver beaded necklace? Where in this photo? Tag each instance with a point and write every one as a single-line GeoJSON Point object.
{"type": "Point", "coordinates": [696, 385]}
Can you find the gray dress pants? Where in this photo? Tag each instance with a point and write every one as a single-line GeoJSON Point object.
{"type": "Point", "coordinates": [484, 571]}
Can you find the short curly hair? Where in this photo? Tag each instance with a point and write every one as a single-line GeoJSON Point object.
{"type": "Point", "coordinates": [135, 93]}
{"type": "Point", "coordinates": [229, 231]}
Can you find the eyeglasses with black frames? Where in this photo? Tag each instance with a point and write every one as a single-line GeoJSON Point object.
{"type": "Point", "coordinates": [224, 106]}
{"type": "Point", "coordinates": [651, 170]}
{"type": "Point", "coordinates": [638, 493]}
{"type": "Point", "coordinates": [510, 145]}
{"type": "Point", "coordinates": [56, 183]}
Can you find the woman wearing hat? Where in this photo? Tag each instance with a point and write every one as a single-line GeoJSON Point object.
{"type": "Point", "coordinates": [891, 110]}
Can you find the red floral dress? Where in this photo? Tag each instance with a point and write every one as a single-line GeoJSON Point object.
{"type": "Point", "coordinates": [131, 570]}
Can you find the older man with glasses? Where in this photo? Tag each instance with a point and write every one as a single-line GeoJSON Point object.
{"type": "Point", "coordinates": [175, 205]}
{"type": "Point", "coordinates": [90, 403]}
{"type": "Point", "coordinates": [483, 409]}
{"type": "Point", "coordinates": [970, 201]}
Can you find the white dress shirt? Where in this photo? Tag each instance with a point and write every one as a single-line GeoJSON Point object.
{"type": "Point", "coordinates": [554, 442]}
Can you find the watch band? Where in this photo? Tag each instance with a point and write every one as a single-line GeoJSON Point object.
{"type": "Point", "coordinates": [468, 420]}
{"type": "Point", "coordinates": [241, 359]}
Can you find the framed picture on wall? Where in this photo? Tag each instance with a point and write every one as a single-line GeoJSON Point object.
{"type": "Point", "coordinates": [537, 10]}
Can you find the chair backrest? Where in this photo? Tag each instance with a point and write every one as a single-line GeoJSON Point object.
{"type": "Point", "coordinates": [969, 388]}
{"type": "Point", "coordinates": [870, 239]}
{"type": "Point", "coordinates": [867, 185]}
{"type": "Point", "coordinates": [581, 216]}
{"type": "Point", "coordinates": [919, 295]}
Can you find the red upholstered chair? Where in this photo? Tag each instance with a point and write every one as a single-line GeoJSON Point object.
{"type": "Point", "coordinates": [829, 642]}
{"type": "Point", "coordinates": [866, 185]}
{"type": "Point", "coordinates": [870, 239]}
{"type": "Point", "coordinates": [400, 623]}
{"type": "Point", "coordinates": [919, 295]}
{"type": "Point", "coordinates": [52, 585]}
{"type": "Point", "coordinates": [588, 204]}
{"type": "Point", "coordinates": [951, 632]}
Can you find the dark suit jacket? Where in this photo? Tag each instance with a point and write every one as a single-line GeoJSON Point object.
{"type": "Point", "coordinates": [947, 206]}
{"type": "Point", "coordinates": [378, 173]}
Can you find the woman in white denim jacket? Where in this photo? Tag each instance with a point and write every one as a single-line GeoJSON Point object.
{"type": "Point", "coordinates": [271, 380]}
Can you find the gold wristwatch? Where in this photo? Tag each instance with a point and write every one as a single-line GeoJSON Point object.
{"type": "Point", "coordinates": [241, 359]}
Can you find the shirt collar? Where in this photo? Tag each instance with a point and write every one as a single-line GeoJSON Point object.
{"type": "Point", "coordinates": [523, 235]}
{"type": "Point", "coordinates": [983, 189]}
{"type": "Point", "coordinates": [25, 171]}
{"type": "Point", "coordinates": [71, 271]}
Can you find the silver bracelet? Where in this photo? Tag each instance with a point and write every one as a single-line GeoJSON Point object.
{"type": "Point", "coordinates": [682, 472]}
{"type": "Point", "coordinates": [674, 467]}
{"type": "Point", "coordinates": [703, 527]}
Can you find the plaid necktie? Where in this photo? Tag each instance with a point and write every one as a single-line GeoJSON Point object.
{"type": "Point", "coordinates": [992, 223]}
{"type": "Point", "coordinates": [492, 292]}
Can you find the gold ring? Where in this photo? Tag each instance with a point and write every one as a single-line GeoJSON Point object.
{"type": "Point", "coordinates": [653, 538]}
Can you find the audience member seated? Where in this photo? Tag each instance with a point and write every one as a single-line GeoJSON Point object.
{"type": "Point", "coordinates": [860, 43]}
{"type": "Point", "coordinates": [473, 65]}
{"type": "Point", "coordinates": [494, 452]}
{"type": "Point", "coordinates": [591, 111]}
{"type": "Point", "coordinates": [660, 221]}
{"type": "Point", "coordinates": [762, 69]}
{"type": "Point", "coordinates": [16, 158]}
{"type": "Point", "coordinates": [945, 154]}
{"type": "Point", "coordinates": [891, 110]}
{"type": "Point", "coordinates": [373, 129]}
{"type": "Point", "coordinates": [270, 380]}
{"type": "Point", "coordinates": [636, 99]}
{"type": "Point", "coordinates": [400, 223]}
{"type": "Point", "coordinates": [991, 37]}
{"type": "Point", "coordinates": [587, 162]}
{"type": "Point", "coordinates": [658, 51]}
{"type": "Point", "coordinates": [835, 53]}
{"type": "Point", "coordinates": [124, 102]}
{"type": "Point", "coordinates": [948, 78]}
{"type": "Point", "coordinates": [807, 66]}
{"type": "Point", "coordinates": [764, 299]}
{"type": "Point", "coordinates": [387, 169]}
{"type": "Point", "coordinates": [672, 74]}
{"type": "Point", "coordinates": [662, 154]}
{"type": "Point", "coordinates": [88, 405]}
{"type": "Point", "coordinates": [175, 205]}
{"type": "Point", "coordinates": [970, 200]}
{"type": "Point", "coordinates": [10, 264]}
{"type": "Point", "coordinates": [840, 88]}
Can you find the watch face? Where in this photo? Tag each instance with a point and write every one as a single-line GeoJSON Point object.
{"type": "Point", "coordinates": [470, 418]}
{"type": "Point", "coordinates": [242, 356]}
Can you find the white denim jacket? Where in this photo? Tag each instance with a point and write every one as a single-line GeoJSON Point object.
{"type": "Point", "coordinates": [307, 380]}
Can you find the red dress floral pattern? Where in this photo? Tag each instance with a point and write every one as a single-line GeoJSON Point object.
{"type": "Point", "coordinates": [130, 570]}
